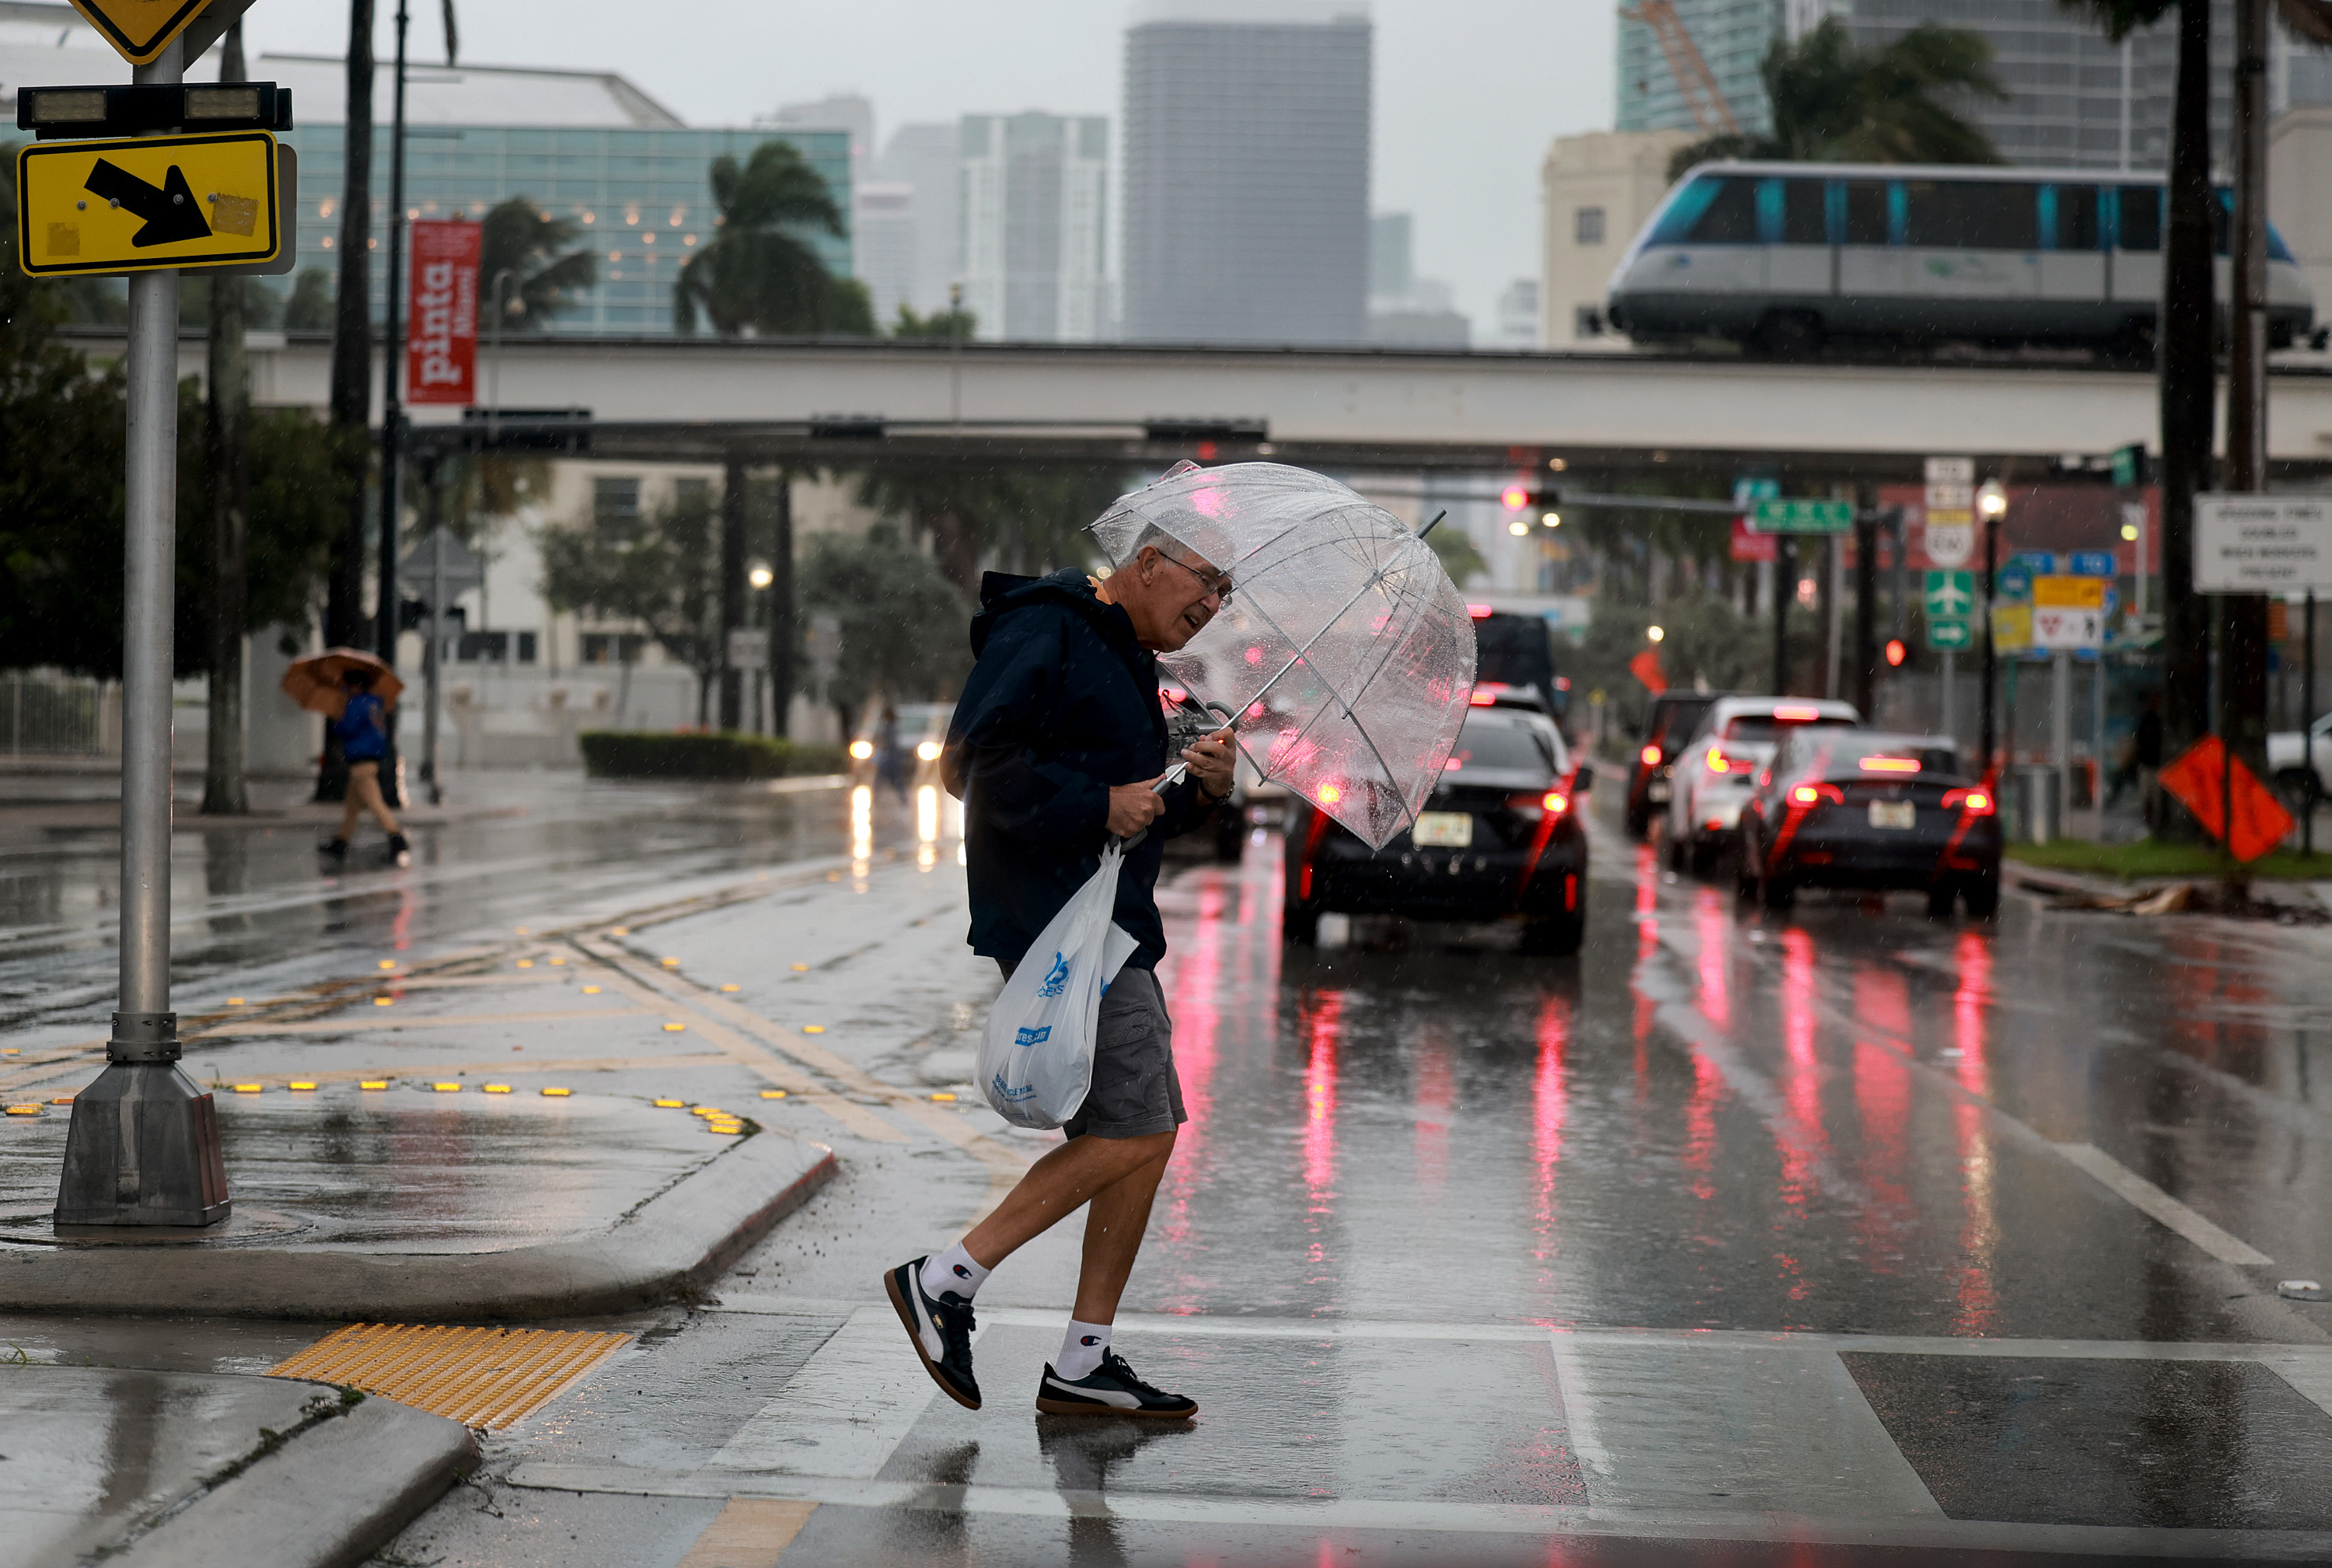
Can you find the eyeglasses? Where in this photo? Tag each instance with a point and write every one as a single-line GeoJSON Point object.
{"type": "Point", "coordinates": [1219, 587]}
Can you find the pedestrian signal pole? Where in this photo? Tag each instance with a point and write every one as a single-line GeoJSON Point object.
{"type": "Point", "coordinates": [143, 1148]}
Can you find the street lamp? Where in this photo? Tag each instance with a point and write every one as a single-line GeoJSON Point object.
{"type": "Point", "coordinates": [1655, 634]}
{"type": "Point", "coordinates": [1991, 500]}
{"type": "Point", "coordinates": [1991, 505]}
{"type": "Point", "coordinates": [760, 576]}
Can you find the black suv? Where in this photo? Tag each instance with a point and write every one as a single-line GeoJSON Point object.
{"type": "Point", "coordinates": [1668, 725]}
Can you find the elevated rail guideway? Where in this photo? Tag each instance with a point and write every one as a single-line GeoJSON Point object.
{"type": "Point", "coordinates": [681, 399]}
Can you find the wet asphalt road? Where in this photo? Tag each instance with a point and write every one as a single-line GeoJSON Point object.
{"type": "Point", "coordinates": [1740, 1237]}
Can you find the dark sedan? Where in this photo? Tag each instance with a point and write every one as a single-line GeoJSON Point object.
{"type": "Point", "coordinates": [1500, 840]}
{"type": "Point", "coordinates": [1674, 716]}
{"type": "Point", "coordinates": [1844, 807]}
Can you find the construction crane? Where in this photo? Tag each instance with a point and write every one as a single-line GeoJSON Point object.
{"type": "Point", "coordinates": [1694, 82]}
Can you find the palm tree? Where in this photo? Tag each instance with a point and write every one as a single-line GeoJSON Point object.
{"type": "Point", "coordinates": [759, 276]}
{"type": "Point", "coordinates": [998, 515]}
{"type": "Point", "coordinates": [1834, 101]}
{"type": "Point", "coordinates": [548, 272]}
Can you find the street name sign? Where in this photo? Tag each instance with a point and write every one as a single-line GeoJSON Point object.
{"type": "Point", "coordinates": [2060, 591]}
{"type": "Point", "coordinates": [143, 203]}
{"type": "Point", "coordinates": [2252, 544]}
{"type": "Point", "coordinates": [2038, 562]}
{"type": "Point", "coordinates": [2065, 628]}
{"type": "Point", "coordinates": [139, 29]}
{"type": "Point", "coordinates": [1951, 594]}
{"type": "Point", "coordinates": [1802, 516]}
{"type": "Point", "coordinates": [1949, 634]}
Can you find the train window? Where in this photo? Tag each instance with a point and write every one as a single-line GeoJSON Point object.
{"type": "Point", "coordinates": [2141, 217]}
{"type": "Point", "coordinates": [1731, 218]}
{"type": "Point", "coordinates": [1802, 213]}
{"type": "Point", "coordinates": [2077, 217]}
{"type": "Point", "coordinates": [1973, 214]}
{"type": "Point", "coordinates": [1866, 212]}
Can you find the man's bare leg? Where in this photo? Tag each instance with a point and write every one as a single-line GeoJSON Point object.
{"type": "Point", "coordinates": [1115, 1225]}
{"type": "Point", "coordinates": [1081, 1171]}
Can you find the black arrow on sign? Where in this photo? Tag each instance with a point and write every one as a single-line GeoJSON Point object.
{"type": "Point", "coordinates": [170, 213]}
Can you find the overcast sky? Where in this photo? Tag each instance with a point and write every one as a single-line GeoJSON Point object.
{"type": "Point", "coordinates": [1468, 91]}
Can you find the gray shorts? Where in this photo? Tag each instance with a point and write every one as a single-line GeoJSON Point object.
{"type": "Point", "coordinates": [1135, 1090]}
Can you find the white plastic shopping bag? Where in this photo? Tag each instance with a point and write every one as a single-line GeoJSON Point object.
{"type": "Point", "coordinates": [1036, 1060]}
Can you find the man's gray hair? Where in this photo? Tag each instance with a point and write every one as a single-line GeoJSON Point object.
{"type": "Point", "coordinates": [1168, 544]}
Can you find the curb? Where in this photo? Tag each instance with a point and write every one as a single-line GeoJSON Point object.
{"type": "Point", "coordinates": [329, 1499]}
{"type": "Point", "coordinates": [679, 1241]}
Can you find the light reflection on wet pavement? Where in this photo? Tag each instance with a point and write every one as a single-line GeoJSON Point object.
{"type": "Point", "coordinates": [1741, 1236]}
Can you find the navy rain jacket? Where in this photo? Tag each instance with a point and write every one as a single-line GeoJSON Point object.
{"type": "Point", "coordinates": [1062, 704]}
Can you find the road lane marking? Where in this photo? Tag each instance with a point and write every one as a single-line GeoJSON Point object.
{"type": "Point", "coordinates": [404, 1022]}
{"type": "Point", "coordinates": [842, 1413]}
{"type": "Point", "coordinates": [750, 1533]}
{"type": "Point", "coordinates": [1412, 1515]}
{"type": "Point", "coordinates": [2145, 1196]}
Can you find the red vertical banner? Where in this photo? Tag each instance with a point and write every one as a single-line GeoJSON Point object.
{"type": "Point", "coordinates": [441, 332]}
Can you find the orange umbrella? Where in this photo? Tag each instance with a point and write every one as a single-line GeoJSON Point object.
{"type": "Point", "coordinates": [314, 682]}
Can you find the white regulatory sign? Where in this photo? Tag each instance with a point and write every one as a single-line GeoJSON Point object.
{"type": "Point", "coordinates": [1951, 471]}
{"type": "Point", "coordinates": [2270, 544]}
{"type": "Point", "coordinates": [1950, 544]}
{"type": "Point", "coordinates": [2068, 628]}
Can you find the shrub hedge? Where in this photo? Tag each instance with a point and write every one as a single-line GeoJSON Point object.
{"type": "Point", "coordinates": [699, 754]}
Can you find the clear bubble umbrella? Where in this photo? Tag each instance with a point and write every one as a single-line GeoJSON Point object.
{"type": "Point", "coordinates": [1343, 655]}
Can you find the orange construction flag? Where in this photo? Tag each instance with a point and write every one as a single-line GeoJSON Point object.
{"type": "Point", "coordinates": [1646, 667]}
{"type": "Point", "coordinates": [2198, 779]}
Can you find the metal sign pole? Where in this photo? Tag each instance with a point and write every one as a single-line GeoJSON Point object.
{"type": "Point", "coordinates": [432, 765]}
{"type": "Point", "coordinates": [2307, 729]}
{"type": "Point", "coordinates": [143, 1148]}
{"type": "Point", "coordinates": [1951, 680]}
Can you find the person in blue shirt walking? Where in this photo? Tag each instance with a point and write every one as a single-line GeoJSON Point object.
{"type": "Point", "coordinates": [362, 731]}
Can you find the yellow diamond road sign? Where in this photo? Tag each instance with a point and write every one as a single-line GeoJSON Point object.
{"type": "Point", "coordinates": [139, 29]}
{"type": "Point", "coordinates": [138, 204]}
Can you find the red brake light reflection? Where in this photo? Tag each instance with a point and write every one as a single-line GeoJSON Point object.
{"type": "Point", "coordinates": [1889, 764]}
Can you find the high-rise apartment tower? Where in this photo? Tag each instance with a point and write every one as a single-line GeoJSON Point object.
{"type": "Point", "coordinates": [1246, 172]}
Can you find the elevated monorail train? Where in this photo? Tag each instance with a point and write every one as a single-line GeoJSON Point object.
{"type": "Point", "coordinates": [1784, 257]}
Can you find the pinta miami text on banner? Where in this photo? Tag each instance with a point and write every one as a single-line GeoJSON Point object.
{"type": "Point", "coordinates": [440, 333]}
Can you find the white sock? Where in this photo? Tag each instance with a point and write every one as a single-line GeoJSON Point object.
{"type": "Point", "coordinates": [953, 1273]}
{"type": "Point", "coordinates": [1081, 1348]}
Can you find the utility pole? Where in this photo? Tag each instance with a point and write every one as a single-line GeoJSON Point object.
{"type": "Point", "coordinates": [392, 404]}
{"type": "Point", "coordinates": [1866, 614]}
{"type": "Point", "coordinates": [1785, 588]}
{"type": "Point", "coordinates": [432, 764]}
{"type": "Point", "coordinates": [732, 587]}
{"type": "Point", "coordinates": [143, 1147]}
{"type": "Point", "coordinates": [1989, 513]}
{"type": "Point", "coordinates": [780, 617]}
{"type": "Point", "coordinates": [228, 435]}
{"type": "Point", "coordinates": [2188, 400]}
{"type": "Point", "coordinates": [352, 375]}
{"type": "Point", "coordinates": [2243, 678]}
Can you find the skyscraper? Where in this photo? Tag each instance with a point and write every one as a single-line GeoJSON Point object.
{"type": "Point", "coordinates": [926, 158]}
{"type": "Point", "coordinates": [1034, 222]}
{"type": "Point", "coordinates": [1247, 171]}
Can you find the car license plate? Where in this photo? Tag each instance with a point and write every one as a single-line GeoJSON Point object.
{"type": "Point", "coordinates": [1444, 830]}
{"type": "Point", "coordinates": [1659, 791]}
{"type": "Point", "coordinates": [1894, 814]}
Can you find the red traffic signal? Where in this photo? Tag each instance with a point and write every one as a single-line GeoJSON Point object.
{"type": "Point", "coordinates": [1514, 497]}
{"type": "Point", "coordinates": [1896, 652]}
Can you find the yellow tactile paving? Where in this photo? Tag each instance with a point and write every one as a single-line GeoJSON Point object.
{"type": "Point", "coordinates": [482, 1377]}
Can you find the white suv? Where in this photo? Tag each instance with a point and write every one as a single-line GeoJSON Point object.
{"type": "Point", "coordinates": [1719, 768]}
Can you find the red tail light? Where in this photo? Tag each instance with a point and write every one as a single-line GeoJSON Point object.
{"type": "Point", "coordinates": [1556, 801]}
{"type": "Point", "coordinates": [1651, 755]}
{"type": "Point", "coordinates": [1481, 699]}
{"type": "Point", "coordinates": [1815, 793]}
{"type": "Point", "coordinates": [1975, 802]}
{"type": "Point", "coordinates": [1717, 762]}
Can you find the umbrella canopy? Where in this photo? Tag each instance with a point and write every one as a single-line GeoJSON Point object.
{"type": "Point", "coordinates": [314, 682]}
{"type": "Point", "coordinates": [1345, 650]}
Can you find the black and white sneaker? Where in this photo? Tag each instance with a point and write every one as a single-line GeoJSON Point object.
{"type": "Point", "coordinates": [940, 1328]}
{"type": "Point", "coordinates": [1112, 1390]}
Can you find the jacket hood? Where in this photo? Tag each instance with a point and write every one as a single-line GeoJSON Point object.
{"type": "Point", "coordinates": [1001, 593]}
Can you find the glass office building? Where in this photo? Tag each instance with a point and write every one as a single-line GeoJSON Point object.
{"type": "Point", "coordinates": [641, 199]}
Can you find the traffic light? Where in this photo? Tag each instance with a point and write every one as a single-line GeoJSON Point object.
{"type": "Point", "coordinates": [1529, 500]}
{"type": "Point", "coordinates": [1895, 653]}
